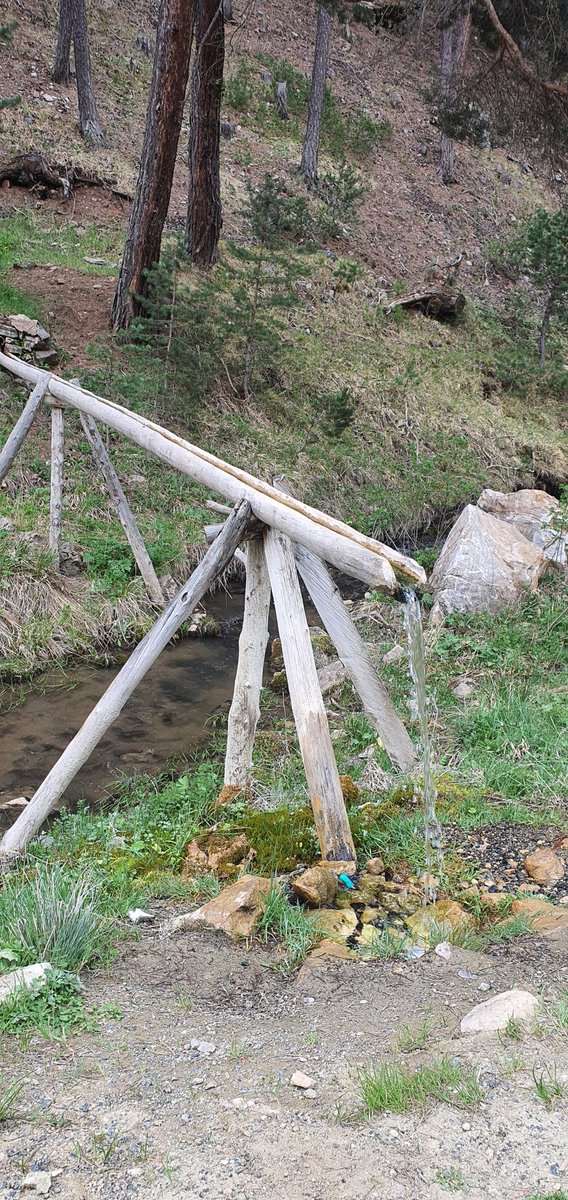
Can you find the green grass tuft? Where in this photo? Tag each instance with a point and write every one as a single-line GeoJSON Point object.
{"type": "Point", "coordinates": [290, 923]}
{"type": "Point", "coordinates": [54, 1007]}
{"type": "Point", "coordinates": [50, 914]}
{"type": "Point", "coordinates": [390, 1088]}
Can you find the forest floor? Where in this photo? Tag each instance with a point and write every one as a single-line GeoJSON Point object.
{"type": "Point", "coordinates": [135, 1111]}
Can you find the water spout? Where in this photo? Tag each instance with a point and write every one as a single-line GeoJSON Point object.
{"type": "Point", "coordinates": [432, 829]}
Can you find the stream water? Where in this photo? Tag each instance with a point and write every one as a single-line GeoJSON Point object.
{"type": "Point", "coordinates": [434, 855]}
{"type": "Point", "coordinates": [165, 717]}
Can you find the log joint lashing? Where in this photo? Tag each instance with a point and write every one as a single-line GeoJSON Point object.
{"type": "Point", "coordinates": [284, 537]}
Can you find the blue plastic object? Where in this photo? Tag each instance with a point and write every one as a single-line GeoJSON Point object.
{"type": "Point", "coordinates": [347, 881]}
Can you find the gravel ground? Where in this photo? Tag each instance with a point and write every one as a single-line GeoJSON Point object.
{"type": "Point", "coordinates": [135, 1111]}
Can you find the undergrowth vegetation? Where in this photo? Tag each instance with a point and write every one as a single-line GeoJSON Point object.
{"type": "Point", "coordinates": [391, 1088]}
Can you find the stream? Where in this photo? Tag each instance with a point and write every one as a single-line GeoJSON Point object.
{"type": "Point", "coordinates": [166, 716]}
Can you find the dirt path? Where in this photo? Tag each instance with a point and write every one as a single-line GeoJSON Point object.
{"type": "Point", "coordinates": [135, 1111]}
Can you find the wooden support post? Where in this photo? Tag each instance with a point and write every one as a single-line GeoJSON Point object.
{"type": "Point", "coordinates": [22, 427]}
{"type": "Point", "coordinates": [245, 707]}
{"type": "Point", "coordinates": [356, 659]}
{"type": "Point", "coordinates": [324, 788]}
{"type": "Point", "coordinates": [123, 509]}
{"type": "Point", "coordinates": [353, 652]}
{"type": "Point", "coordinates": [56, 495]}
{"type": "Point", "coordinates": [112, 702]}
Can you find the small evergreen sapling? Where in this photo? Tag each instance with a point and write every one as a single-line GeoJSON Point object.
{"type": "Point", "coordinates": [540, 249]}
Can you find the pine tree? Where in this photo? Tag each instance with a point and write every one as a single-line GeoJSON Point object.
{"type": "Point", "coordinates": [161, 135]}
{"type": "Point", "coordinates": [540, 250]}
{"type": "Point", "coordinates": [204, 191]}
{"type": "Point", "coordinates": [310, 148]}
{"type": "Point", "coordinates": [455, 27]}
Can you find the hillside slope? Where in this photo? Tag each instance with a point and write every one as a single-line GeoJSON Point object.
{"type": "Point", "coordinates": [431, 413]}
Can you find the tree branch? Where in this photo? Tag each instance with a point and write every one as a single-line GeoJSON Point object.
{"type": "Point", "coordinates": [510, 45]}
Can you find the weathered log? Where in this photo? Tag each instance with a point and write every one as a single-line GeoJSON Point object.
{"type": "Point", "coordinates": [333, 540]}
{"type": "Point", "coordinates": [322, 777]}
{"type": "Point", "coordinates": [123, 509]}
{"type": "Point", "coordinates": [22, 427]}
{"type": "Point", "coordinates": [245, 706]}
{"type": "Point", "coordinates": [440, 303]}
{"type": "Point", "coordinates": [56, 489]}
{"type": "Point", "coordinates": [112, 702]}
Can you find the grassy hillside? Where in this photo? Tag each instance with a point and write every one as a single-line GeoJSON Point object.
{"type": "Point", "coordinates": [390, 422]}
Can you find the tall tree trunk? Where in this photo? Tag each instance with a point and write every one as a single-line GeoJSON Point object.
{"type": "Point", "coordinates": [89, 123]}
{"type": "Point", "coordinates": [310, 149]}
{"type": "Point", "coordinates": [204, 192]}
{"type": "Point", "coordinates": [420, 28]}
{"type": "Point", "coordinates": [227, 9]}
{"type": "Point", "coordinates": [456, 21]}
{"type": "Point", "coordinates": [159, 149]}
{"type": "Point", "coordinates": [61, 69]}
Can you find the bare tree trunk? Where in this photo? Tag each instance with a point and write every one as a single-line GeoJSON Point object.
{"type": "Point", "coordinates": [228, 9]}
{"type": "Point", "coordinates": [89, 123]}
{"type": "Point", "coordinates": [159, 149]}
{"type": "Point", "coordinates": [61, 69]}
{"type": "Point", "coordinates": [420, 27]}
{"type": "Point", "coordinates": [456, 22]}
{"type": "Point", "coordinates": [310, 148]}
{"type": "Point", "coordinates": [204, 217]}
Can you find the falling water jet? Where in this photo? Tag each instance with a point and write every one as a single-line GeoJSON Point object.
{"type": "Point", "coordinates": [432, 829]}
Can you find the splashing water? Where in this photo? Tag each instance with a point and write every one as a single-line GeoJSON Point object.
{"type": "Point", "coordinates": [432, 829]}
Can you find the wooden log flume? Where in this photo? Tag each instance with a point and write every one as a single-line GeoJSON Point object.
{"type": "Point", "coordinates": [357, 555]}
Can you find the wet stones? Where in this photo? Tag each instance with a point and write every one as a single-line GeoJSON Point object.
{"type": "Point", "coordinates": [318, 886]}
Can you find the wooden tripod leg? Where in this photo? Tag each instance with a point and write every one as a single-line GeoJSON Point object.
{"type": "Point", "coordinates": [22, 427]}
{"type": "Point", "coordinates": [245, 711]}
{"type": "Point", "coordinates": [112, 702]}
{"type": "Point", "coordinates": [56, 494]}
{"type": "Point", "coordinates": [123, 510]}
{"type": "Point", "coordinates": [324, 788]}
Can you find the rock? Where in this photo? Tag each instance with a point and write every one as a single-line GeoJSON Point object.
{"type": "Point", "coordinates": [213, 852]}
{"type": "Point", "coordinates": [38, 1181]}
{"type": "Point", "coordinates": [531, 512]}
{"type": "Point", "coordinates": [400, 903]}
{"type": "Point", "coordinates": [485, 566]}
{"type": "Point", "coordinates": [463, 689]}
{"type": "Point", "coordinates": [300, 1080]}
{"type": "Point", "coordinates": [331, 676]}
{"type": "Point", "coordinates": [370, 936]}
{"type": "Point", "coordinates": [498, 1011]}
{"type": "Point", "coordinates": [369, 915]}
{"type": "Point", "coordinates": [337, 924]}
{"type": "Point", "coordinates": [28, 327]}
{"type": "Point", "coordinates": [6, 524]}
{"type": "Point", "coordinates": [394, 655]}
{"type": "Point", "coordinates": [15, 806]}
{"type": "Point", "coordinates": [234, 911]}
{"type": "Point", "coordinates": [491, 899]}
{"type": "Point", "coordinates": [443, 950]}
{"type": "Point", "coordinates": [375, 866]}
{"type": "Point", "coordinates": [318, 886]}
{"type": "Point", "coordinates": [544, 867]}
{"type": "Point", "coordinates": [203, 1047]}
{"type": "Point", "coordinates": [339, 866]}
{"type": "Point", "coordinates": [24, 977]}
{"type": "Point", "coordinates": [139, 915]}
{"type": "Point", "coordinates": [543, 917]}
{"type": "Point", "coordinates": [326, 949]}
{"type": "Point", "coordinates": [444, 915]}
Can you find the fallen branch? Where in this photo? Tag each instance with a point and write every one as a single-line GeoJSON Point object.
{"type": "Point", "coordinates": [510, 46]}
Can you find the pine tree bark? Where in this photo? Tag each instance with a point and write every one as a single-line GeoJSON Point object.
{"type": "Point", "coordinates": [61, 69]}
{"type": "Point", "coordinates": [89, 123]}
{"type": "Point", "coordinates": [204, 218]}
{"type": "Point", "coordinates": [163, 123]}
{"type": "Point", "coordinates": [310, 149]}
{"type": "Point", "coordinates": [456, 23]}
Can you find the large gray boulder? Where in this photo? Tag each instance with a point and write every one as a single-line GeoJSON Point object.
{"type": "Point", "coordinates": [532, 512]}
{"type": "Point", "coordinates": [485, 566]}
